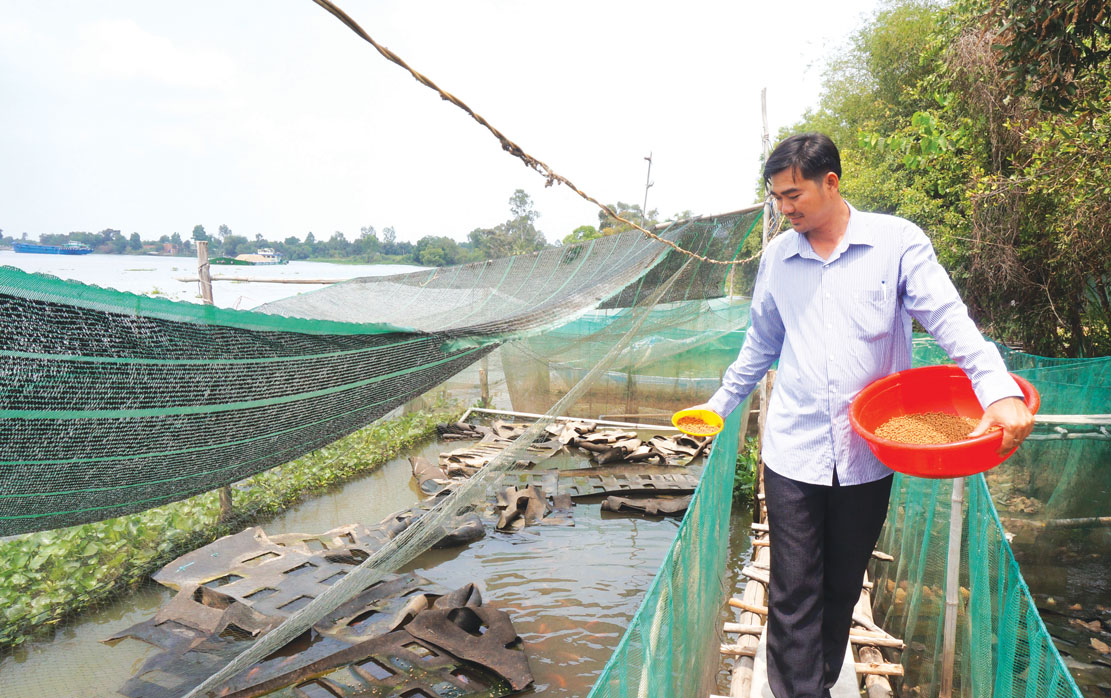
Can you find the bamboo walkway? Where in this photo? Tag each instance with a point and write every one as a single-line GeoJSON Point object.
{"type": "Point", "coordinates": [867, 641]}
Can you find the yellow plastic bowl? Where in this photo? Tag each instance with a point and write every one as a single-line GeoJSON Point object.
{"type": "Point", "coordinates": [708, 416]}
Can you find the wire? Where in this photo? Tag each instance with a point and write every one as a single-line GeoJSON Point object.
{"type": "Point", "coordinates": [509, 146]}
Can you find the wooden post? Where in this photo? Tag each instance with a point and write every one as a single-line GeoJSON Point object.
{"type": "Point", "coordinates": [484, 380]}
{"type": "Point", "coordinates": [203, 275]}
{"type": "Point", "coordinates": [204, 278]}
{"type": "Point", "coordinates": [952, 588]}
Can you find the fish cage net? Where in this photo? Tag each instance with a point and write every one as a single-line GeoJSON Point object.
{"type": "Point", "coordinates": [1039, 503]}
{"type": "Point", "coordinates": [119, 404]}
{"type": "Point", "coordinates": [122, 404]}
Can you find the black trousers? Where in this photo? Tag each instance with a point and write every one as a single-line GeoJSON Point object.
{"type": "Point", "coordinates": [821, 540]}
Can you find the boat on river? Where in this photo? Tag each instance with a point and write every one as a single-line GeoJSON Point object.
{"type": "Point", "coordinates": [68, 248]}
{"type": "Point", "coordinates": [264, 257]}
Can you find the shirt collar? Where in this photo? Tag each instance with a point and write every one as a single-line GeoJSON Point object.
{"type": "Point", "coordinates": [856, 233]}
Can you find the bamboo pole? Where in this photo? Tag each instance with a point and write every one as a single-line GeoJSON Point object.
{"type": "Point", "coordinates": [259, 280]}
{"type": "Point", "coordinates": [753, 610]}
{"type": "Point", "coordinates": [868, 643]}
{"type": "Point", "coordinates": [603, 422]}
{"type": "Point", "coordinates": [952, 589]}
{"type": "Point", "coordinates": [1083, 522]}
{"type": "Point", "coordinates": [744, 605]}
{"type": "Point", "coordinates": [743, 629]}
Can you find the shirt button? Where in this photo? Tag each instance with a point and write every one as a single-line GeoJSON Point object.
{"type": "Point", "coordinates": [829, 325]}
{"type": "Point", "coordinates": [831, 357]}
{"type": "Point", "coordinates": [827, 294]}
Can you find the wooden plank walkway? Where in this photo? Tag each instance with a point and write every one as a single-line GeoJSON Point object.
{"type": "Point", "coordinates": [869, 666]}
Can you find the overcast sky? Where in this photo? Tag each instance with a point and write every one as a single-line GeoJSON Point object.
{"type": "Point", "coordinates": [273, 118]}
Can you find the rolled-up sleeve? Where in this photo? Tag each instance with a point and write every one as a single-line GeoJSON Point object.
{"type": "Point", "coordinates": [930, 297]}
{"type": "Point", "coordinates": [763, 342]}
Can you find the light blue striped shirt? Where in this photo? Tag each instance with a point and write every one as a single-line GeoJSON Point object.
{"type": "Point", "coordinates": [838, 324]}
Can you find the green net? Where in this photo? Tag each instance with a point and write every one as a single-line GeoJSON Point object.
{"type": "Point", "coordinates": [114, 403]}
{"type": "Point", "coordinates": [665, 649]}
{"type": "Point", "coordinates": [118, 356]}
{"type": "Point", "coordinates": [1004, 647]}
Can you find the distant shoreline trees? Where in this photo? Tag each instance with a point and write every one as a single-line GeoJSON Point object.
{"type": "Point", "coordinates": [516, 235]}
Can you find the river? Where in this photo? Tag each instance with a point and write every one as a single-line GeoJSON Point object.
{"type": "Point", "coordinates": [160, 276]}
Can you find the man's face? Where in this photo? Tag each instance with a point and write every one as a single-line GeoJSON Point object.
{"type": "Point", "coordinates": [807, 203]}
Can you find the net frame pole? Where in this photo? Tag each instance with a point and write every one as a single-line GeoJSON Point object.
{"type": "Point", "coordinates": [952, 587]}
{"type": "Point", "coordinates": [204, 279]}
{"type": "Point", "coordinates": [765, 382]}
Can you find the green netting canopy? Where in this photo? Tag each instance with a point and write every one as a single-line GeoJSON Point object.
{"type": "Point", "coordinates": [112, 403]}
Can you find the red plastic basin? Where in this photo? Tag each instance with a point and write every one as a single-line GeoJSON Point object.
{"type": "Point", "coordinates": [930, 389]}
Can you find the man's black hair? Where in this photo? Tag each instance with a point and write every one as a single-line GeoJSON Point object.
{"type": "Point", "coordinates": [814, 154]}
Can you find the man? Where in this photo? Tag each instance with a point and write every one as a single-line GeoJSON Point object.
{"type": "Point", "coordinates": [833, 303]}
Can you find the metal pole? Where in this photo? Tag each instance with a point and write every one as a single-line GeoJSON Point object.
{"type": "Point", "coordinates": [647, 185]}
{"type": "Point", "coordinates": [952, 588]}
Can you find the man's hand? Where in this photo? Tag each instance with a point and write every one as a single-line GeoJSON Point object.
{"type": "Point", "coordinates": [1012, 414]}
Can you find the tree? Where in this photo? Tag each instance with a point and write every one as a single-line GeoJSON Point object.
{"type": "Point", "coordinates": [581, 234]}
{"type": "Point", "coordinates": [199, 233]}
{"type": "Point", "coordinates": [389, 240]}
{"type": "Point", "coordinates": [368, 245]}
{"type": "Point", "coordinates": [337, 245]}
{"type": "Point", "coordinates": [608, 225]}
{"type": "Point", "coordinates": [1048, 47]}
{"type": "Point", "coordinates": [1004, 167]}
{"type": "Point", "coordinates": [233, 245]}
{"type": "Point", "coordinates": [436, 251]}
{"type": "Point", "coordinates": [518, 235]}
{"type": "Point", "coordinates": [135, 243]}
{"type": "Point", "coordinates": [224, 231]}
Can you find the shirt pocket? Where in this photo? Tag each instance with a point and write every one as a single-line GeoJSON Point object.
{"type": "Point", "coordinates": [872, 314]}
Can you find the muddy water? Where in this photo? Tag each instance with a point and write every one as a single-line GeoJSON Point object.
{"type": "Point", "coordinates": [1069, 575]}
{"type": "Point", "coordinates": [569, 590]}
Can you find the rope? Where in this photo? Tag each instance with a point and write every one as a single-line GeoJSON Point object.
{"type": "Point", "coordinates": [509, 146]}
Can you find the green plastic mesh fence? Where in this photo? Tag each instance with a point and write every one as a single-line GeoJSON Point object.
{"type": "Point", "coordinates": [1003, 648]}
{"type": "Point", "coordinates": [84, 356]}
{"type": "Point", "coordinates": [669, 648]}
{"type": "Point", "coordinates": [114, 403]}
{"type": "Point", "coordinates": [1060, 474]}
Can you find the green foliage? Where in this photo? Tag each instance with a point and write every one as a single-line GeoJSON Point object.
{"type": "Point", "coordinates": [199, 232]}
{"type": "Point", "coordinates": [608, 225]}
{"type": "Point", "coordinates": [744, 478]}
{"type": "Point", "coordinates": [518, 235]}
{"type": "Point", "coordinates": [1048, 47]}
{"type": "Point", "coordinates": [47, 576]}
{"type": "Point", "coordinates": [581, 234]}
{"type": "Point", "coordinates": [932, 127]}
